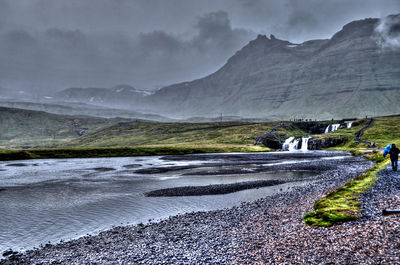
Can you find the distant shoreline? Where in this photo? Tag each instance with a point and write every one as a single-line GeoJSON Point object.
{"type": "Point", "coordinates": [7, 155]}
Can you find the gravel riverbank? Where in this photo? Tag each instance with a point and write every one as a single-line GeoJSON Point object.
{"type": "Point", "coordinates": [212, 189]}
{"type": "Point", "coordinates": [268, 231]}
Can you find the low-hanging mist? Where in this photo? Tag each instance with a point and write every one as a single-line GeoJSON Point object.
{"type": "Point", "coordinates": [356, 73]}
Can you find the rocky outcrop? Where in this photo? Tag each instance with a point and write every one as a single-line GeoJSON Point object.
{"type": "Point", "coordinates": [269, 135]}
{"type": "Point", "coordinates": [311, 127]}
{"type": "Point", "coordinates": [273, 140]}
{"type": "Point", "coordinates": [318, 144]}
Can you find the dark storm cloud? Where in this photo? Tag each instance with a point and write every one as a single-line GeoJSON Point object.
{"type": "Point", "coordinates": [50, 45]}
{"type": "Point", "coordinates": [159, 41]}
{"type": "Point", "coordinates": [212, 41]}
{"type": "Point", "coordinates": [301, 20]}
{"type": "Point", "coordinates": [215, 31]}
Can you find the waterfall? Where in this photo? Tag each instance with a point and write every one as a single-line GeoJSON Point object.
{"type": "Point", "coordinates": [332, 128]}
{"type": "Point", "coordinates": [285, 145]}
{"type": "Point", "coordinates": [349, 124]}
{"type": "Point", "coordinates": [304, 143]}
{"type": "Point", "coordinates": [293, 145]}
{"type": "Point", "coordinates": [335, 127]}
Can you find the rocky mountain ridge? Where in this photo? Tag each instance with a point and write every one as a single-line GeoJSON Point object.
{"type": "Point", "coordinates": [356, 73]}
{"type": "Point", "coordinates": [349, 75]}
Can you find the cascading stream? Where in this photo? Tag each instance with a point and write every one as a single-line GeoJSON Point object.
{"type": "Point", "coordinates": [285, 145]}
{"type": "Point", "coordinates": [292, 144]}
{"type": "Point", "coordinates": [349, 124]}
{"type": "Point", "coordinates": [332, 128]}
{"type": "Point", "coordinates": [304, 143]}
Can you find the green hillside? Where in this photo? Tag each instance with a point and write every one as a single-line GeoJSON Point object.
{"type": "Point", "coordinates": [37, 128]}
{"type": "Point", "coordinates": [385, 130]}
{"type": "Point", "coordinates": [151, 133]}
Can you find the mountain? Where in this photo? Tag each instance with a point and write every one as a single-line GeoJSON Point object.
{"type": "Point", "coordinates": [121, 95]}
{"type": "Point", "coordinates": [353, 74]}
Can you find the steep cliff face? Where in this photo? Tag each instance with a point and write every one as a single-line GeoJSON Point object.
{"type": "Point", "coordinates": [350, 75]}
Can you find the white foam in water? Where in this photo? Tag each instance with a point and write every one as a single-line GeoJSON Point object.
{"type": "Point", "coordinates": [170, 177]}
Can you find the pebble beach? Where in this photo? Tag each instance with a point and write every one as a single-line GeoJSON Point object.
{"type": "Point", "coordinates": [266, 231]}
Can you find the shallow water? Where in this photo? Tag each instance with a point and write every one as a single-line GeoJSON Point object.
{"type": "Point", "coordinates": [60, 199]}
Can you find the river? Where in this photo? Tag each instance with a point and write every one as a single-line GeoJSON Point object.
{"type": "Point", "coordinates": [60, 199]}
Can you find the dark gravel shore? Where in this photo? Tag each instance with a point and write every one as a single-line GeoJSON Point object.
{"type": "Point", "coordinates": [268, 231]}
{"type": "Point", "coordinates": [212, 189]}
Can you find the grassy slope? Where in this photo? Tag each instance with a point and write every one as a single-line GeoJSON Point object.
{"type": "Point", "coordinates": [384, 131]}
{"type": "Point", "coordinates": [111, 135]}
{"type": "Point", "coordinates": [27, 127]}
{"type": "Point", "coordinates": [350, 133]}
{"type": "Point", "coordinates": [341, 205]}
{"type": "Point", "coordinates": [149, 133]}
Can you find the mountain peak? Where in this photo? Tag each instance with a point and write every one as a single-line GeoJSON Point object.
{"type": "Point", "coordinates": [348, 75]}
{"type": "Point", "coordinates": [356, 29]}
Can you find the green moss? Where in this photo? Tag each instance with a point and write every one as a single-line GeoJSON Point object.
{"type": "Point", "coordinates": [341, 205]}
{"type": "Point", "coordinates": [375, 156]}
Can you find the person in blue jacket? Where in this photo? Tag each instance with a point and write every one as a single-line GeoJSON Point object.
{"type": "Point", "coordinates": [394, 156]}
{"type": "Point", "coordinates": [387, 150]}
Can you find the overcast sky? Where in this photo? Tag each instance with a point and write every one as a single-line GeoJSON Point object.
{"type": "Point", "coordinates": [54, 44]}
